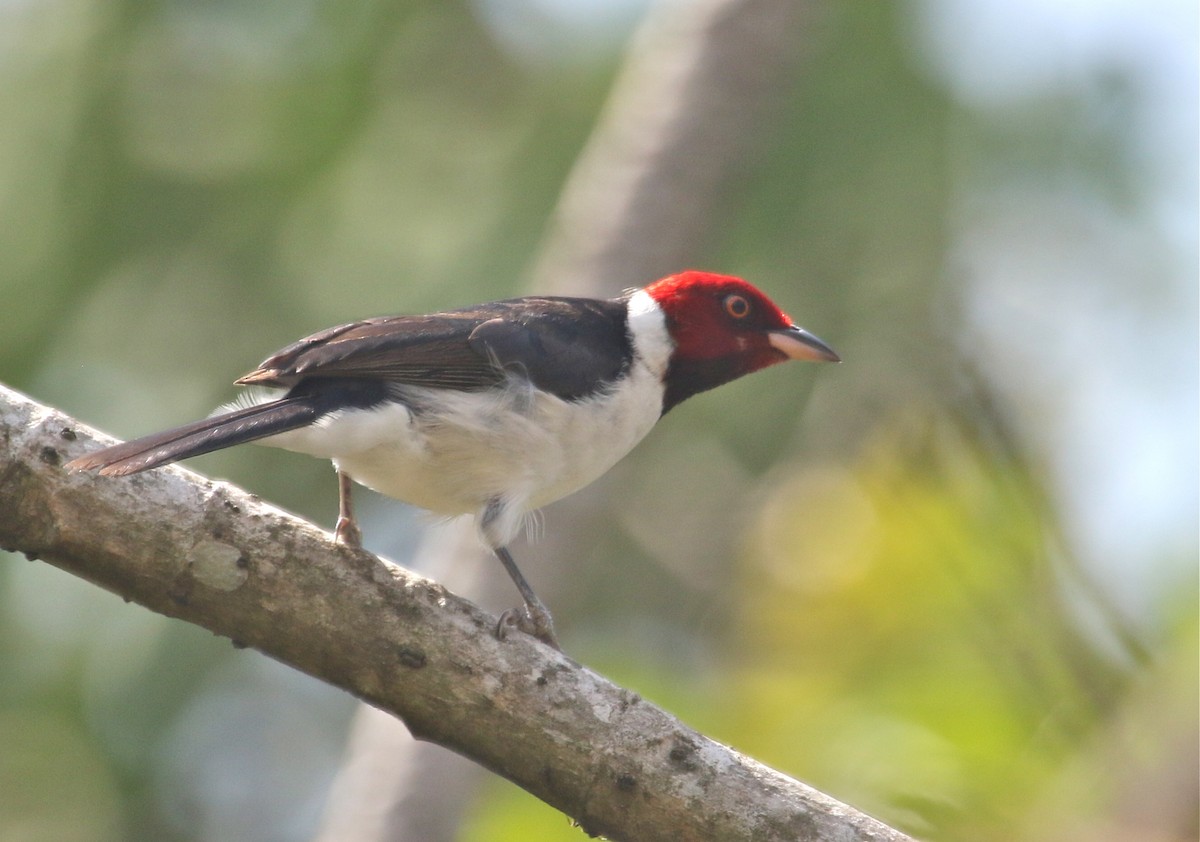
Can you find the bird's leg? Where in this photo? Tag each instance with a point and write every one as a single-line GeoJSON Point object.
{"type": "Point", "coordinates": [347, 531]}
{"type": "Point", "coordinates": [534, 618]}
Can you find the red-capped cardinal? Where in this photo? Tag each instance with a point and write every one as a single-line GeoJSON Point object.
{"type": "Point", "coordinates": [496, 409]}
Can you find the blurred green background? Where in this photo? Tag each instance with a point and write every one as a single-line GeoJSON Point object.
{"type": "Point", "coordinates": [952, 581]}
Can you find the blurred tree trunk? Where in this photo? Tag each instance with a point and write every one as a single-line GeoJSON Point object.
{"type": "Point", "coordinates": [694, 100]}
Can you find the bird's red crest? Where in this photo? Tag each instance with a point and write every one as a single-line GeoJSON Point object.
{"type": "Point", "coordinates": [717, 316]}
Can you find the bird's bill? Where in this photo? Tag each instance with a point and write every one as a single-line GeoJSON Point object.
{"type": "Point", "coordinates": [798, 344]}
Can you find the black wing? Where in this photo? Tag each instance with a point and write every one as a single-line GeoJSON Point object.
{"type": "Point", "coordinates": [567, 346]}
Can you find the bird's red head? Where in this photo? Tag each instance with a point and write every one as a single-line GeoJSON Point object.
{"type": "Point", "coordinates": [724, 328]}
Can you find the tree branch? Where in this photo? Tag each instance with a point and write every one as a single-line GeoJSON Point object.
{"type": "Point", "coordinates": [208, 553]}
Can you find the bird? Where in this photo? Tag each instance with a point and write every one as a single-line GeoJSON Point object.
{"type": "Point", "coordinates": [493, 410]}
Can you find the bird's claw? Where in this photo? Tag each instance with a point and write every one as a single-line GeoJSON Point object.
{"type": "Point", "coordinates": [535, 622]}
{"type": "Point", "coordinates": [347, 532]}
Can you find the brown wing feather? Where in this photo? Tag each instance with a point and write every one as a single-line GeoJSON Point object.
{"type": "Point", "coordinates": [425, 350]}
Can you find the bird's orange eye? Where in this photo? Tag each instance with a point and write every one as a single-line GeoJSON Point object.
{"type": "Point", "coordinates": [737, 306]}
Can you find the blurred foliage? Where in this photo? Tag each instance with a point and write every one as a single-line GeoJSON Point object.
{"type": "Point", "coordinates": [865, 581]}
{"type": "Point", "coordinates": [900, 605]}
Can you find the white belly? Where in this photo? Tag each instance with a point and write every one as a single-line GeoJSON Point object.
{"type": "Point", "coordinates": [463, 450]}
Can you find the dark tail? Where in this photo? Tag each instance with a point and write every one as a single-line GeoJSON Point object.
{"type": "Point", "coordinates": [220, 431]}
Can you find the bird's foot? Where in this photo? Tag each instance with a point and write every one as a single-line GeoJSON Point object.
{"type": "Point", "coordinates": [347, 532]}
{"type": "Point", "coordinates": [534, 620]}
